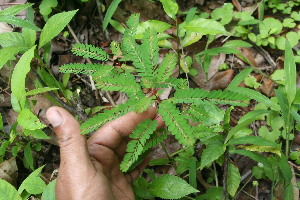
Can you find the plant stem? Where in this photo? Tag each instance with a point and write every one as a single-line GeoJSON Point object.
{"type": "Point", "coordinates": [226, 155]}
{"type": "Point", "coordinates": [287, 140]}
{"type": "Point", "coordinates": [216, 175]}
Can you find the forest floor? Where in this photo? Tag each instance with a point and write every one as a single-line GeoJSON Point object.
{"type": "Point", "coordinates": [87, 26]}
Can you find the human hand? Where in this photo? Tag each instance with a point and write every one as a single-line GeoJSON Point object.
{"type": "Point", "coordinates": [89, 170]}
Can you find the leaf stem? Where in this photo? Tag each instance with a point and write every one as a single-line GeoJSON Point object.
{"type": "Point", "coordinates": [226, 155]}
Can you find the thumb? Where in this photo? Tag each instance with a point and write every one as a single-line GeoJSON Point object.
{"type": "Point", "coordinates": [73, 149]}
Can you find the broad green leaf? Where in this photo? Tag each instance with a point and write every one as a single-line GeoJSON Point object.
{"type": "Point", "coordinates": [8, 39]}
{"type": "Point", "coordinates": [290, 73]}
{"type": "Point", "coordinates": [278, 76]}
{"type": "Point", "coordinates": [28, 158]}
{"type": "Point", "coordinates": [214, 149]}
{"type": "Point", "coordinates": [296, 116]}
{"type": "Point", "coordinates": [140, 187]}
{"type": "Point", "coordinates": [213, 193]}
{"type": "Point", "coordinates": [192, 172]}
{"type": "Point", "coordinates": [18, 22]}
{"type": "Point", "coordinates": [224, 13]}
{"type": "Point", "coordinates": [293, 38]}
{"type": "Point", "coordinates": [28, 120]}
{"type": "Point", "coordinates": [13, 10]}
{"type": "Point", "coordinates": [191, 38]}
{"type": "Point", "coordinates": [33, 184]}
{"type": "Point", "coordinates": [8, 192]}
{"type": "Point", "coordinates": [155, 25]}
{"type": "Point", "coordinates": [29, 37]}
{"type": "Point", "coordinates": [250, 139]}
{"type": "Point", "coordinates": [46, 6]}
{"type": "Point", "coordinates": [240, 77]}
{"type": "Point", "coordinates": [233, 179]}
{"type": "Point", "coordinates": [110, 11]}
{"type": "Point", "coordinates": [284, 105]}
{"type": "Point", "coordinates": [205, 26]}
{"type": "Point", "coordinates": [269, 135]}
{"type": "Point", "coordinates": [54, 26]}
{"type": "Point", "coordinates": [237, 43]}
{"type": "Point", "coordinates": [49, 191]}
{"type": "Point", "coordinates": [117, 25]}
{"type": "Point", "coordinates": [170, 187]}
{"type": "Point", "coordinates": [170, 7]}
{"type": "Point", "coordinates": [7, 54]}
{"type": "Point", "coordinates": [40, 90]}
{"type": "Point", "coordinates": [38, 133]}
{"type": "Point", "coordinates": [19, 74]}
{"type": "Point", "coordinates": [247, 119]}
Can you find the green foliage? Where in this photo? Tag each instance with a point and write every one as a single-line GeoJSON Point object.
{"type": "Point", "coordinates": [170, 187]}
{"type": "Point", "coordinates": [18, 77]}
{"type": "Point", "coordinates": [135, 147]}
{"type": "Point", "coordinates": [7, 191]}
{"type": "Point", "coordinates": [233, 180]}
{"type": "Point", "coordinates": [205, 26]}
{"type": "Point", "coordinates": [49, 191]}
{"type": "Point", "coordinates": [110, 11]}
{"type": "Point", "coordinates": [89, 51]}
{"type": "Point", "coordinates": [54, 26]}
{"type": "Point", "coordinates": [46, 7]}
{"type": "Point", "coordinates": [170, 7]}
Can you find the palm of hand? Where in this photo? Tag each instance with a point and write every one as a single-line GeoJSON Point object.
{"type": "Point", "coordinates": [90, 169]}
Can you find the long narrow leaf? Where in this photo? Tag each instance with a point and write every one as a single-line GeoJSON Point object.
{"type": "Point", "coordinates": [110, 11]}
{"type": "Point", "coordinates": [290, 73]}
{"type": "Point", "coordinates": [18, 22]}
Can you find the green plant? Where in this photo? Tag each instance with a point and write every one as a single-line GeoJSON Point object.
{"type": "Point", "coordinates": [25, 138]}
{"type": "Point", "coordinates": [198, 107]}
{"type": "Point", "coordinates": [33, 184]}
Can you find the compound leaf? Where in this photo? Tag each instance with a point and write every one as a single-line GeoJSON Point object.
{"type": "Point", "coordinates": [177, 125]}
{"type": "Point", "coordinates": [135, 147]}
{"type": "Point", "coordinates": [89, 51]}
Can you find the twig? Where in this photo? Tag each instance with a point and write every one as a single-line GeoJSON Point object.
{"type": "Point", "coordinates": [266, 55]}
{"type": "Point", "coordinates": [106, 34]}
{"type": "Point", "coordinates": [109, 97]}
{"type": "Point", "coordinates": [81, 115]}
{"type": "Point", "coordinates": [216, 175]}
{"type": "Point", "coordinates": [249, 194]}
{"type": "Point", "coordinates": [225, 174]}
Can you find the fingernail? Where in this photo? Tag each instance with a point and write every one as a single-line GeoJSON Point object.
{"type": "Point", "coordinates": [55, 118]}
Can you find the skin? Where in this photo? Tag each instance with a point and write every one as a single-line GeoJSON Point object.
{"type": "Point", "coordinates": [89, 169]}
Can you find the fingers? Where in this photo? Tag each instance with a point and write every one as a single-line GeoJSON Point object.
{"type": "Point", "coordinates": [73, 149]}
{"type": "Point", "coordinates": [112, 133]}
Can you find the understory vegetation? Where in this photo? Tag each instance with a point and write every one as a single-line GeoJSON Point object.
{"type": "Point", "coordinates": [223, 77]}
